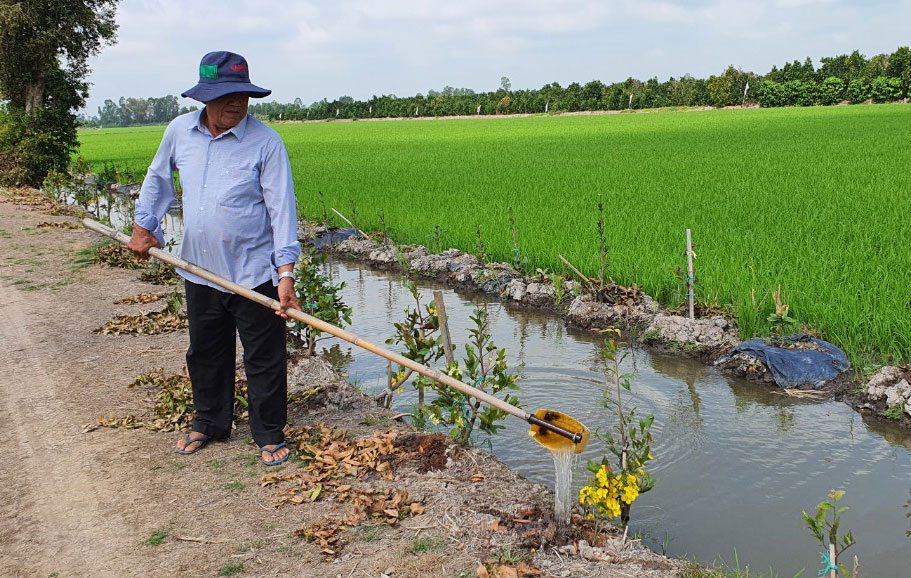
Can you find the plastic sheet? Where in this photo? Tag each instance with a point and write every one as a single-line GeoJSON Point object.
{"type": "Point", "coordinates": [797, 366]}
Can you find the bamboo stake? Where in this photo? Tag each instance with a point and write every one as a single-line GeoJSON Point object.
{"type": "Point", "coordinates": [349, 222]}
{"type": "Point", "coordinates": [321, 325]}
{"type": "Point", "coordinates": [833, 573]}
{"type": "Point", "coordinates": [690, 279]}
{"type": "Point", "coordinates": [444, 326]}
{"type": "Point", "coordinates": [585, 279]}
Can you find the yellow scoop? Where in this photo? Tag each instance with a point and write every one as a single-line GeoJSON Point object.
{"type": "Point", "coordinates": [553, 441]}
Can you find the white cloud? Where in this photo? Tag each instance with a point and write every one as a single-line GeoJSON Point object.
{"type": "Point", "coordinates": [319, 48]}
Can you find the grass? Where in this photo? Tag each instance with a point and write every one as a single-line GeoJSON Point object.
{"type": "Point", "coordinates": [157, 538]}
{"type": "Point", "coordinates": [231, 569]}
{"type": "Point", "coordinates": [371, 533]}
{"type": "Point", "coordinates": [233, 487]}
{"type": "Point", "coordinates": [215, 465]}
{"type": "Point", "coordinates": [376, 421]}
{"type": "Point", "coordinates": [812, 199]}
{"type": "Point", "coordinates": [424, 545]}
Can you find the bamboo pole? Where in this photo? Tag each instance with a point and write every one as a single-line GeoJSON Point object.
{"type": "Point", "coordinates": [321, 325]}
{"type": "Point", "coordinates": [690, 279]}
{"type": "Point", "coordinates": [585, 279]}
{"type": "Point", "coordinates": [833, 573]}
{"type": "Point", "coordinates": [349, 222]}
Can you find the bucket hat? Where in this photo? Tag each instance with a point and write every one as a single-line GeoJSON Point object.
{"type": "Point", "coordinates": [222, 73]}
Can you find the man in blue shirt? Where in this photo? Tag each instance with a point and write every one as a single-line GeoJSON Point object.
{"type": "Point", "coordinates": [240, 222]}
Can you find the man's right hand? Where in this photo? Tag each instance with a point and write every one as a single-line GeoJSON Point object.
{"type": "Point", "coordinates": [141, 241]}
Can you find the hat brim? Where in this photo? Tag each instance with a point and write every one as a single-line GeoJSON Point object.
{"type": "Point", "coordinates": [204, 92]}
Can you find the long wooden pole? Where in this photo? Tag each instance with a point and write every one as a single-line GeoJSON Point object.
{"type": "Point", "coordinates": [444, 325]}
{"type": "Point", "coordinates": [321, 325]}
{"type": "Point", "coordinates": [690, 279]}
{"type": "Point", "coordinates": [349, 222]}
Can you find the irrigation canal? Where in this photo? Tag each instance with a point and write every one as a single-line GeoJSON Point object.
{"type": "Point", "coordinates": [735, 462]}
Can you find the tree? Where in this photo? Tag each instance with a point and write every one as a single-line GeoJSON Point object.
{"type": "Point", "coordinates": [44, 49]}
{"type": "Point", "coordinates": [505, 84]}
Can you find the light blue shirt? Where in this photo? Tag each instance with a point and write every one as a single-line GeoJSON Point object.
{"type": "Point", "coordinates": [239, 209]}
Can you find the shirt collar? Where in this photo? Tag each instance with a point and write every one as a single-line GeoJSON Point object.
{"type": "Point", "coordinates": [238, 131]}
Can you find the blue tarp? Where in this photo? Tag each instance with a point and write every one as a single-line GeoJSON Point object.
{"type": "Point", "coordinates": [332, 237]}
{"type": "Point", "coordinates": [795, 367]}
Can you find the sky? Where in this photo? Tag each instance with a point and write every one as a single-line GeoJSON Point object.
{"type": "Point", "coordinates": [316, 49]}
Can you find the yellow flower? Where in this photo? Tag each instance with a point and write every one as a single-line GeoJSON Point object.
{"type": "Point", "coordinates": [400, 390]}
{"type": "Point", "coordinates": [602, 476]}
{"type": "Point", "coordinates": [630, 479]}
{"type": "Point", "coordinates": [650, 456]}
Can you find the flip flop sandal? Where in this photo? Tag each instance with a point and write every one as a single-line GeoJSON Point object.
{"type": "Point", "coordinates": [272, 452]}
{"type": "Point", "coordinates": [202, 443]}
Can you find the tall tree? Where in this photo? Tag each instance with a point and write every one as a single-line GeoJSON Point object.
{"type": "Point", "coordinates": [44, 49]}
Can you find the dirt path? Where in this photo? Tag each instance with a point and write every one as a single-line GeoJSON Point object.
{"type": "Point", "coordinates": [118, 502]}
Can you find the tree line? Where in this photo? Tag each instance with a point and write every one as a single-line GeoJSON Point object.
{"type": "Point", "coordinates": [849, 77]}
{"type": "Point", "coordinates": [129, 111]}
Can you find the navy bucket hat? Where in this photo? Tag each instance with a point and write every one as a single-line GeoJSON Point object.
{"type": "Point", "coordinates": [222, 73]}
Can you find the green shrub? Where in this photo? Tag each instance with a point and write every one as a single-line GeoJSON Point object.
{"type": "Point", "coordinates": [31, 146]}
{"type": "Point", "coordinates": [858, 91]}
{"type": "Point", "coordinates": [886, 89]}
{"type": "Point", "coordinates": [831, 91]}
{"type": "Point", "coordinates": [771, 93]}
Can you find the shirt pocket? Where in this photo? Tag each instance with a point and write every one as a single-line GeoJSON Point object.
{"type": "Point", "coordinates": [240, 188]}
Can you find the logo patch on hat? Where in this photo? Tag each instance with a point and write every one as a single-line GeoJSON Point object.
{"type": "Point", "coordinates": [238, 67]}
{"type": "Point", "coordinates": [208, 71]}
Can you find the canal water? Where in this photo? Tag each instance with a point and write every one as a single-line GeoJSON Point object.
{"type": "Point", "coordinates": [735, 462]}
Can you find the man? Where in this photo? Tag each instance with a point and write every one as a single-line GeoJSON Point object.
{"type": "Point", "coordinates": [240, 222]}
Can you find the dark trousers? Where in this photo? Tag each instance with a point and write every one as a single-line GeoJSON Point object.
{"type": "Point", "coordinates": [214, 316]}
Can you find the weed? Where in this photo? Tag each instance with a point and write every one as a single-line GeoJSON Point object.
{"type": "Point", "coordinates": [233, 486]}
{"type": "Point", "coordinates": [435, 241]}
{"type": "Point", "coordinates": [156, 538]}
{"type": "Point", "coordinates": [231, 569]}
{"type": "Point", "coordinates": [376, 421]}
{"type": "Point", "coordinates": [215, 465]}
{"type": "Point", "coordinates": [480, 248]}
{"type": "Point", "coordinates": [893, 412]}
{"type": "Point", "coordinates": [372, 532]}
{"type": "Point", "coordinates": [559, 288]}
{"type": "Point", "coordinates": [506, 555]}
{"type": "Point", "coordinates": [424, 545]}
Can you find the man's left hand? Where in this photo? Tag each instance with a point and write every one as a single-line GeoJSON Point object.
{"type": "Point", "coordinates": [287, 297]}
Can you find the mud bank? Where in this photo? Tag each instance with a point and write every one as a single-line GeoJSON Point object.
{"type": "Point", "coordinates": [709, 338]}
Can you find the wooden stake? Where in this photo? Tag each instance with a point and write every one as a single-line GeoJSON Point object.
{"type": "Point", "coordinates": [690, 279]}
{"type": "Point", "coordinates": [856, 572]}
{"type": "Point", "coordinates": [832, 573]}
{"type": "Point", "coordinates": [349, 222]}
{"type": "Point", "coordinates": [444, 326]}
{"type": "Point", "coordinates": [585, 279]}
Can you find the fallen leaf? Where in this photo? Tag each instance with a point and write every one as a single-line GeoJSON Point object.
{"type": "Point", "coordinates": [482, 571]}
{"type": "Point", "coordinates": [478, 477]}
{"type": "Point", "coordinates": [524, 570]}
{"type": "Point", "coordinates": [507, 572]}
{"type": "Point", "coordinates": [417, 508]}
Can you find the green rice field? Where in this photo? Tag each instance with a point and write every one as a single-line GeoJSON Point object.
{"type": "Point", "coordinates": [816, 200]}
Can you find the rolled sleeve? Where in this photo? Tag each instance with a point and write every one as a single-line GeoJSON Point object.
{"type": "Point", "coordinates": [278, 194]}
{"type": "Point", "coordinates": [157, 190]}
